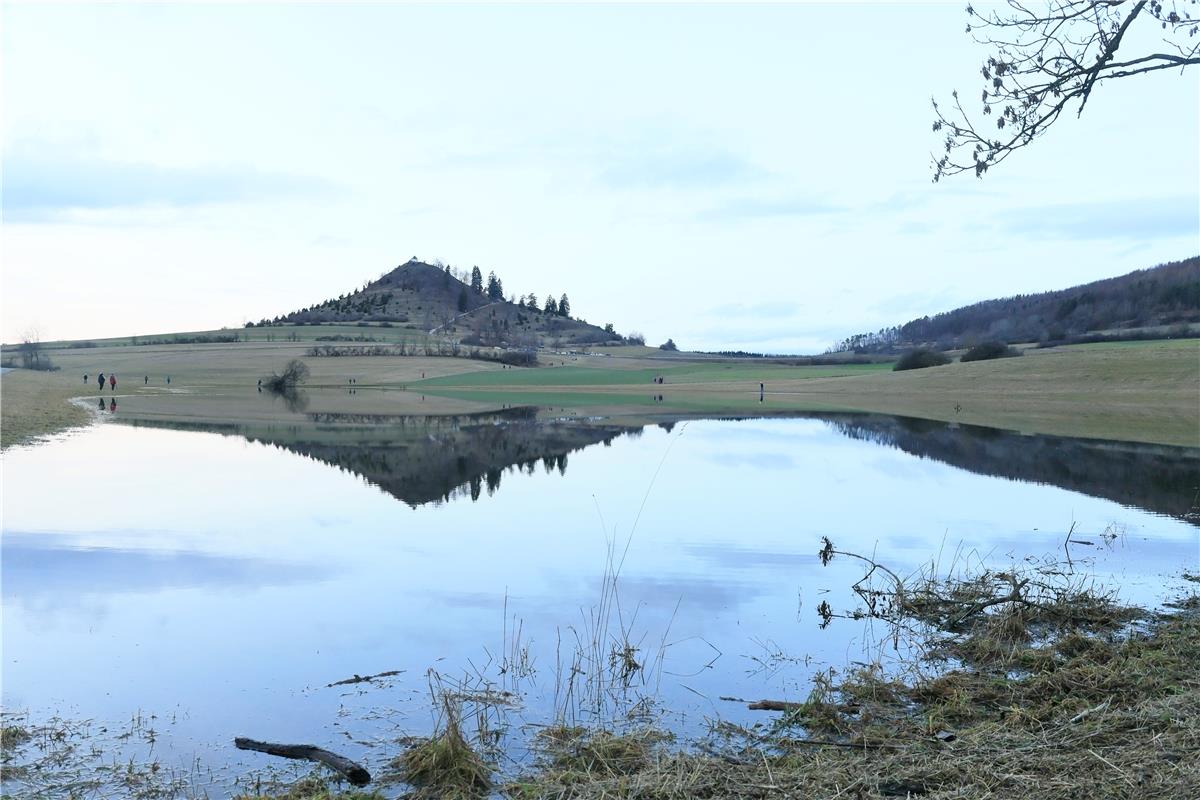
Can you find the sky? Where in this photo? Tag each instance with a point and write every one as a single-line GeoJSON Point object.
{"type": "Point", "coordinates": [733, 177]}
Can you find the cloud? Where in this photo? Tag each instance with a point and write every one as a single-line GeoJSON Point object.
{"type": "Point", "coordinates": [758, 208]}
{"type": "Point", "coordinates": [770, 310]}
{"type": "Point", "coordinates": [39, 188]}
{"type": "Point", "coordinates": [679, 170]}
{"type": "Point", "coordinates": [917, 304]}
{"type": "Point", "coordinates": [1138, 219]}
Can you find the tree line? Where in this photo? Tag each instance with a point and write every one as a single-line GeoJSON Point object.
{"type": "Point", "coordinates": [1166, 295]}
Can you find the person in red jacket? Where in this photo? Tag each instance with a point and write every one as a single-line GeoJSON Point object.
{"type": "Point", "coordinates": [112, 382]}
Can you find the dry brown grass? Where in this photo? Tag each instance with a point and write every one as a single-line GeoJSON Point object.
{"type": "Point", "coordinates": [1027, 684]}
{"type": "Point", "coordinates": [1107, 719]}
{"type": "Point", "coordinates": [37, 404]}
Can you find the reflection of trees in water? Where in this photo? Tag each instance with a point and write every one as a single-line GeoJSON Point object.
{"type": "Point", "coordinates": [295, 399]}
{"type": "Point", "coordinates": [1157, 478]}
{"type": "Point", "coordinates": [446, 462]}
{"type": "Point", "coordinates": [432, 459]}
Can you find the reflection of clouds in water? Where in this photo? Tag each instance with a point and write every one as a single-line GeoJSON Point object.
{"type": "Point", "coordinates": [475, 600]}
{"type": "Point", "coordinates": [690, 592]}
{"type": "Point", "coordinates": [769, 461]}
{"type": "Point", "coordinates": [44, 571]}
{"type": "Point", "coordinates": [655, 594]}
{"type": "Point", "coordinates": [731, 556]}
{"type": "Point", "coordinates": [799, 429]}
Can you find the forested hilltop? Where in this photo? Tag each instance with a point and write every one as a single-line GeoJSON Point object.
{"type": "Point", "coordinates": [462, 305]}
{"type": "Point", "coordinates": [1156, 298]}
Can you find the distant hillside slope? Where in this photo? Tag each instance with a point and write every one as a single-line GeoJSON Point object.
{"type": "Point", "coordinates": [1161, 296]}
{"type": "Point", "coordinates": [432, 299]}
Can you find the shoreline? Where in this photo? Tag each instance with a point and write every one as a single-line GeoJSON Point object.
{"type": "Point", "coordinates": [1049, 679]}
{"type": "Point", "coordinates": [1148, 392]}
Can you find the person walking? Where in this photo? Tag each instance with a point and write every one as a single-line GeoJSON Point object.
{"type": "Point", "coordinates": [100, 380]}
{"type": "Point", "coordinates": [146, 380]}
{"type": "Point", "coordinates": [85, 377]}
{"type": "Point", "coordinates": [112, 382]}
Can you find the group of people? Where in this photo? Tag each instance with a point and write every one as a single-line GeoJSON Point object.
{"type": "Point", "coordinates": [112, 380]}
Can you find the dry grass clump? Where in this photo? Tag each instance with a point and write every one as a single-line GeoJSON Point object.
{"type": "Point", "coordinates": [575, 754]}
{"type": "Point", "coordinates": [578, 761]}
{"type": "Point", "coordinates": [445, 765]}
{"type": "Point", "coordinates": [12, 736]}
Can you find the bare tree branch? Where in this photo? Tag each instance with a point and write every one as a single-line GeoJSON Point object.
{"type": "Point", "coordinates": [1044, 57]}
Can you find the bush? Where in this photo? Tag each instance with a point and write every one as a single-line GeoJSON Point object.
{"type": "Point", "coordinates": [921, 358]}
{"type": "Point", "coordinates": [294, 374]}
{"type": "Point", "coordinates": [669, 345]}
{"type": "Point", "coordinates": [989, 350]}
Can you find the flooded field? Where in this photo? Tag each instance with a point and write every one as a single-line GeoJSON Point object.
{"type": "Point", "coordinates": [214, 582]}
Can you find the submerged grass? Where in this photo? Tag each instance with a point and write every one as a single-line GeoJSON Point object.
{"type": "Point", "coordinates": [312, 788]}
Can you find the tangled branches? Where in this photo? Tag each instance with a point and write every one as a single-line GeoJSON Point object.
{"type": "Point", "coordinates": [1024, 602]}
{"type": "Point", "coordinates": [1045, 58]}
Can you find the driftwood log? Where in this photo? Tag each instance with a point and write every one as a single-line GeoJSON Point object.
{"type": "Point", "coordinates": [364, 678]}
{"type": "Point", "coordinates": [355, 773]}
{"type": "Point", "coordinates": [775, 705]}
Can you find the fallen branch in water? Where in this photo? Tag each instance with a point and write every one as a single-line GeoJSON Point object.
{"type": "Point", "coordinates": [775, 705]}
{"type": "Point", "coordinates": [364, 678]}
{"type": "Point", "coordinates": [355, 773]}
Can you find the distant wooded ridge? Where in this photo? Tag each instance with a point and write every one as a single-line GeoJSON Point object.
{"type": "Point", "coordinates": [1165, 297]}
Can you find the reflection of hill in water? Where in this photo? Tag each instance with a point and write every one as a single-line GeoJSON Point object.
{"type": "Point", "coordinates": [1157, 478]}
{"type": "Point", "coordinates": [431, 459]}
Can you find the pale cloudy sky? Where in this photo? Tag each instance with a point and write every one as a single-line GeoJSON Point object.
{"type": "Point", "coordinates": [731, 176]}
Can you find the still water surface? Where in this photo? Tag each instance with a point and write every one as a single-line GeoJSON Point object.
{"type": "Point", "coordinates": [222, 579]}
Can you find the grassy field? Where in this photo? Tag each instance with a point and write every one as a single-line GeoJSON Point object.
{"type": "Point", "coordinates": [35, 404]}
{"type": "Point", "coordinates": [1133, 391]}
{"type": "Point", "coordinates": [604, 374]}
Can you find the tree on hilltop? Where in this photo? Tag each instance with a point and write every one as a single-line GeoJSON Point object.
{"type": "Point", "coordinates": [551, 306]}
{"type": "Point", "coordinates": [476, 280]}
{"type": "Point", "coordinates": [564, 306]}
{"type": "Point", "coordinates": [495, 289]}
{"type": "Point", "coordinates": [1045, 56]}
